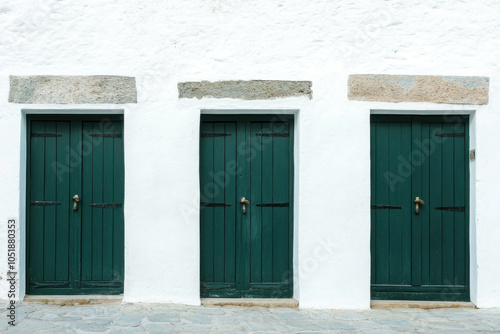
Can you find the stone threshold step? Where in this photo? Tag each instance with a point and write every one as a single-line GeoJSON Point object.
{"type": "Point", "coordinates": [259, 302]}
{"type": "Point", "coordinates": [74, 299]}
{"type": "Point", "coordinates": [426, 305]}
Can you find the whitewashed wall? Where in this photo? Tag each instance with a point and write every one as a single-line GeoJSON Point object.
{"type": "Point", "coordinates": [164, 42]}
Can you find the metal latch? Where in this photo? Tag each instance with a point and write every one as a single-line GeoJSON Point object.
{"type": "Point", "coordinates": [244, 203]}
{"type": "Point", "coordinates": [417, 202]}
{"type": "Point", "coordinates": [76, 199]}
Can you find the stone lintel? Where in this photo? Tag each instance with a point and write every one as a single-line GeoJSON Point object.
{"type": "Point", "coordinates": [95, 89]}
{"type": "Point", "coordinates": [245, 90]}
{"type": "Point", "coordinates": [419, 88]}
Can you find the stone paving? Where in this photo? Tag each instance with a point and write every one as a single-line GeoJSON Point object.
{"type": "Point", "coordinates": [154, 318]}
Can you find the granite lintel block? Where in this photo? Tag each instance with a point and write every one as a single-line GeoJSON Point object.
{"type": "Point", "coordinates": [419, 88]}
{"type": "Point", "coordinates": [245, 90]}
{"type": "Point", "coordinates": [95, 89]}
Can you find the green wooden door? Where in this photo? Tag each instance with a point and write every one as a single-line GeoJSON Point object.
{"type": "Point", "coordinates": [246, 254]}
{"type": "Point", "coordinates": [75, 250]}
{"type": "Point", "coordinates": [424, 255]}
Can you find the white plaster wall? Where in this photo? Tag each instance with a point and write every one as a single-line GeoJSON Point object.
{"type": "Point", "coordinates": [164, 42]}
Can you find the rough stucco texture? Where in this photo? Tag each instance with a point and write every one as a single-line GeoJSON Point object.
{"type": "Point", "coordinates": [419, 88]}
{"type": "Point", "coordinates": [246, 90]}
{"type": "Point", "coordinates": [162, 43]}
{"type": "Point", "coordinates": [72, 89]}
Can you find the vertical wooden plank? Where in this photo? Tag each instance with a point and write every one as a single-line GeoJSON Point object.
{"type": "Point", "coordinates": [373, 191]}
{"type": "Point", "coordinates": [467, 210]}
{"type": "Point", "coordinates": [97, 192]}
{"type": "Point", "coordinates": [245, 156]}
{"type": "Point", "coordinates": [267, 212]}
{"type": "Point", "coordinates": [425, 148]}
{"type": "Point", "coordinates": [435, 200]}
{"type": "Point", "coordinates": [76, 182]}
{"type": "Point", "coordinates": [231, 197]}
{"type": "Point", "coordinates": [241, 190]}
{"type": "Point", "coordinates": [395, 216]}
{"type": "Point", "coordinates": [459, 180]}
{"type": "Point", "coordinates": [290, 272]}
{"type": "Point", "coordinates": [86, 199]}
{"type": "Point", "coordinates": [118, 197]}
{"type": "Point", "coordinates": [416, 162]}
{"type": "Point", "coordinates": [37, 185]}
{"type": "Point", "coordinates": [207, 213]}
{"type": "Point", "coordinates": [407, 203]}
{"type": "Point", "coordinates": [218, 177]}
{"type": "Point", "coordinates": [63, 195]}
{"type": "Point", "coordinates": [256, 212]}
{"type": "Point", "coordinates": [448, 192]}
{"type": "Point", "coordinates": [280, 195]}
{"type": "Point", "coordinates": [49, 249]}
{"type": "Point", "coordinates": [383, 181]}
{"type": "Point", "coordinates": [108, 197]}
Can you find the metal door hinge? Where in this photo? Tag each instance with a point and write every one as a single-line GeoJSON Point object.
{"type": "Point", "coordinates": [106, 205]}
{"type": "Point", "coordinates": [273, 134]}
{"type": "Point", "coordinates": [451, 208]}
{"type": "Point", "coordinates": [275, 205]}
{"type": "Point", "coordinates": [376, 206]}
{"type": "Point", "coordinates": [45, 134]}
{"type": "Point", "coordinates": [44, 203]}
{"type": "Point", "coordinates": [214, 205]}
{"type": "Point", "coordinates": [215, 134]}
{"type": "Point", "coordinates": [451, 134]}
{"type": "Point", "coordinates": [106, 135]}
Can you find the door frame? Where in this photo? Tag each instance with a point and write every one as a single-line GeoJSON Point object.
{"type": "Point", "coordinates": [222, 115]}
{"type": "Point", "coordinates": [470, 172]}
{"type": "Point", "coordinates": [55, 115]}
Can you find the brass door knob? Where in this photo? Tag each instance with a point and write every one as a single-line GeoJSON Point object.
{"type": "Point", "coordinates": [76, 199]}
{"type": "Point", "coordinates": [417, 202]}
{"type": "Point", "coordinates": [244, 203]}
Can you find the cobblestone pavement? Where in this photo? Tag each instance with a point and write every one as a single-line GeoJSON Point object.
{"type": "Point", "coordinates": [153, 318]}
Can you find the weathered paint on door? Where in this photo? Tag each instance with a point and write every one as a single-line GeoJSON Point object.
{"type": "Point", "coordinates": [424, 255]}
{"type": "Point", "coordinates": [246, 254]}
{"type": "Point", "coordinates": [75, 251]}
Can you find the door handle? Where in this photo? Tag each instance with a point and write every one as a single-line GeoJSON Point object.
{"type": "Point", "coordinates": [76, 199]}
{"type": "Point", "coordinates": [417, 202]}
{"type": "Point", "coordinates": [244, 203]}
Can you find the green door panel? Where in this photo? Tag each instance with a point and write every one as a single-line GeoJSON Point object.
{"type": "Point", "coordinates": [49, 205]}
{"type": "Point", "coordinates": [102, 227]}
{"type": "Point", "coordinates": [75, 251]}
{"type": "Point", "coordinates": [218, 226]}
{"type": "Point", "coordinates": [420, 256]}
{"type": "Point", "coordinates": [246, 255]}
